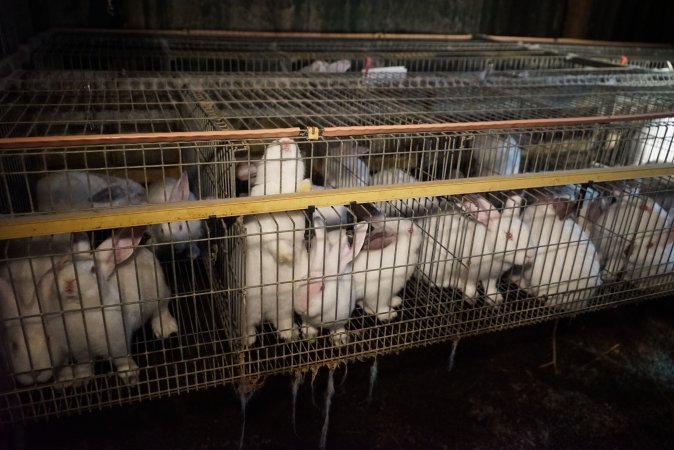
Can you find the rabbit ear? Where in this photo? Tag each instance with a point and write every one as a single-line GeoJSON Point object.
{"type": "Point", "coordinates": [513, 206]}
{"type": "Point", "coordinates": [483, 213]}
{"type": "Point", "coordinates": [109, 194]}
{"type": "Point", "coordinates": [181, 190]}
{"type": "Point", "coordinates": [381, 239]}
{"type": "Point", "coordinates": [596, 208]}
{"type": "Point", "coordinates": [562, 207]}
{"type": "Point", "coordinates": [349, 252]}
{"type": "Point", "coordinates": [117, 248]}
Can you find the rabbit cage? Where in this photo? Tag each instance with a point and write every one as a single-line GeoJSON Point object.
{"type": "Point", "coordinates": [183, 211]}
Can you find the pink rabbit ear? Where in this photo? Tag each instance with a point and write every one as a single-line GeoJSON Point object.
{"type": "Point", "coordinates": [596, 208]}
{"type": "Point", "coordinates": [481, 214]}
{"type": "Point", "coordinates": [349, 252]}
{"type": "Point", "coordinates": [380, 240]}
{"type": "Point", "coordinates": [562, 207]}
{"type": "Point", "coordinates": [118, 248]}
{"type": "Point", "coordinates": [181, 190]}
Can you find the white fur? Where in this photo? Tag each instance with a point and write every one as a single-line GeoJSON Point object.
{"type": "Point", "coordinates": [94, 303]}
{"type": "Point", "coordinates": [407, 207]}
{"type": "Point", "coordinates": [566, 266]}
{"type": "Point", "coordinates": [380, 274]}
{"type": "Point", "coordinates": [651, 257]}
{"type": "Point", "coordinates": [653, 143]}
{"type": "Point", "coordinates": [65, 191]}
{"type": "Point", "coordinates": [496, 155]}
{"type": "Point", "coordinates": [23, 321]}
{"type": "Point", "coordinates": [272, 243]}
{"type": "Point", "coordinates": [326, 297]}
{"type": "Point", "coordinates": [458, 251]}
{"type": "Point", "coordinates": [182, 233]}
{"type": "Point", "coordinates": [616, 225]}
{"type": "Point", "coordinates": [280, 171]}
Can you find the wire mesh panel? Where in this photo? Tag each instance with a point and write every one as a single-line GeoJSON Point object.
{"type": "Point", "coordinates": [96, 51]}
{"type": "Point", "coordinates": [197, 294]}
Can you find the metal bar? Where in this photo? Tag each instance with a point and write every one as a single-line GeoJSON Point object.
{"type": "Point", "coordinates": [500, 38]}
{"type": "Point", "coordinates": [41, 225]}
{"type": "Point", "coordinates": [137, 138]}
{"type": "Point", "coordinates": [184, 136]}
{"type": "Point", "coordinates": [266, 34]}
{"type": "Point", "coordinates": [488, 125]}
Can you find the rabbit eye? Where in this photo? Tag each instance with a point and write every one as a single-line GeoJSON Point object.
{"type": "Point", "coordinates": [646, 208]}
{"type": "Point", "coordinates": [509, 236]}
{"type": "Point", "coordinates": [180, 227]}
{"type": "Point", "coordinates": [650, 244]}
{"type": "Point", "coordinates": [14, 346]}
{"type": "Point", "coordinates": [93, 269]}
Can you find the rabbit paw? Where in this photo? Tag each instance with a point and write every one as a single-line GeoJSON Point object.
{"type": "Point", "coordinates": [164, 326]}
{"type": "Point", "coordinates": [69, 377]}
{"type": "Point", "coordinates": [252, 337]}
{"type": "Point", "coordinates": [127, 371]}
{"type": "Point", "coordinates": [396, 301]}
{"type": "Point", "coordinates": [310, 332]}
{"type": "Point", "coordinates": [383, 314]}
{"type": "Point", "coordinates": [305, 185]}
{"type": "Point", "coordinates": [291, 334]}
{"type": "Point", "coordinates": [339, 337]}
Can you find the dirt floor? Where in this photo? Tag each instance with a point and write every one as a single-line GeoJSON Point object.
{"type": "Point", "coordinates": [614, 389]}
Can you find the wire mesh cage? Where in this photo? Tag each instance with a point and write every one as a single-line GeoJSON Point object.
{"type": "Point", "coordinates": [225, 240]}
{"type": "Point", "coordinates": [286, 288]}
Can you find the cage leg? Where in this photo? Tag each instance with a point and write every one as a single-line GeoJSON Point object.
{"type": "Point", "coordinates": [297, 380]}
{"type": "Point", "coordinates": [553, 362]}
{"type": "Point", "coordinates": [246, 390]}
{"type": "Point", "coordinates": [326, 408]}
{"type": "Point", "coordinates": [455, 345]}
{"type": "Point", "coordinates": [373, 380]}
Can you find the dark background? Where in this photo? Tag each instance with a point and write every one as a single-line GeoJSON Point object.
{"type": "Point", "coordinates": [615, 382]}
{"type": "Point", "coordinates": [621, 20]}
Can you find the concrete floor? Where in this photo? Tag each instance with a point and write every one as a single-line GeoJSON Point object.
{"type": "Point", "coordinates": [614, 389]}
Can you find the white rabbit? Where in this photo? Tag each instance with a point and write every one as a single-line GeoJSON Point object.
{"type": "Point", "coordinates": [23, 321]}
{"type": "Point", "coordinates": [182, 233]}
{"type": "Point", "coordinates": [459, 251]}
{"type": "Point", "coordinates": [566, 266]}
{"type": "Point", "coordinates": [94, 303]}
{"type": "Point", "coordinates": [496, 155]}
{"type": "Point", "coordinates": [651, 255]}
{"type": "Point", "coordinates": [272, 243]}
{"type": "Point", "coordinates": [384, 268]}
{"type": "Point", "coordinates": [613, 226]}
{"type": "Point", "coordinates": [280, 171]}
{"type": "Point", "coordinates": [407, 207]}
{"type": "Point", "coordinates": [653, 143]}
{"type": "Point", "coordinates": [326, 297]}
{"type": "Point", "coordinates": [342, 167]}
{"type": "Point", "coordinates": [65, 191]}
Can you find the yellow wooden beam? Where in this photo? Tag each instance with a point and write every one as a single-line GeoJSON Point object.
{"type": "Point", "coordinates": [45, 224]}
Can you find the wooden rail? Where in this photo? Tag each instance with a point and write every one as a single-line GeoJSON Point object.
{"type": "Point", "coordinates": [40, 225]}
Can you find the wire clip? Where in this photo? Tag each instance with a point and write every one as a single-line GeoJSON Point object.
{"type": "Point", "coordinates": [313, 133]}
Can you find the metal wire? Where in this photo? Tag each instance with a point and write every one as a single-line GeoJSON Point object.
{"type": "Point", "coordinates": [221, 337]}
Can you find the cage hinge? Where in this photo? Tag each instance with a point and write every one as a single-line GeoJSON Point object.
{"type": "Point", "coordinates": [313, 133]}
